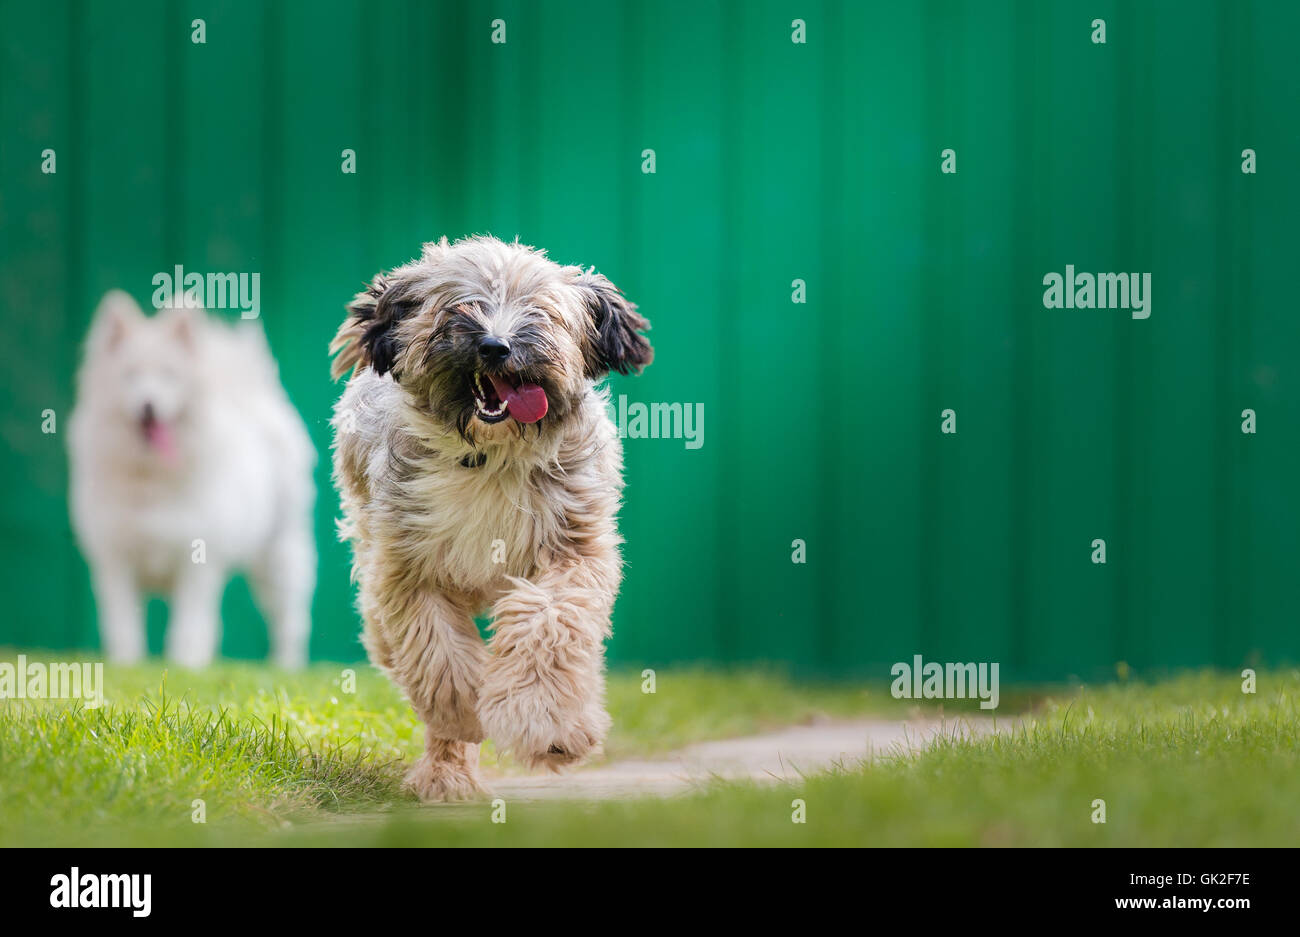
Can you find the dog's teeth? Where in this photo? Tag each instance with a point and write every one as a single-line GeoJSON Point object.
{"type": "Point", "coordinates": [482, 408]}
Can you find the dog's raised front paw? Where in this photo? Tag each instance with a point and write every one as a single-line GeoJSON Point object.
{"type": "Point", "coordinates": [541, 729]}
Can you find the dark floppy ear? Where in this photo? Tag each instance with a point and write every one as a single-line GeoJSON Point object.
{"type": "Point", "coordinates": [368, 336]}
{"type": "Point", "coordinates": [617, 344]}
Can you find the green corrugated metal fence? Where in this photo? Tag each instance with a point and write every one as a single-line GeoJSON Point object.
{"type": "Point", "coordinates": [776, 161]}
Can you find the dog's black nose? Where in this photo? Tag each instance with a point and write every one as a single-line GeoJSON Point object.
{"type": "Point", "coordinates": [493, 350]}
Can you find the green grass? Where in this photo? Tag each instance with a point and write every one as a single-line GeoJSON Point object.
{"type": "Point", "coordinates": [263, 748]}
{"type": "Point", "coordinates": [293, 760]}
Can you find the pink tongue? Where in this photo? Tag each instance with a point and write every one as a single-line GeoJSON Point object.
{"type": "Point", "coordinates": [527, 402]}
{"type": "Point", "coordinates": [159, 435]}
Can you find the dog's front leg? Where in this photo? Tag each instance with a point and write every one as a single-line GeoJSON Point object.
{"type": "Point", "coordinates": [194, 618]}
{"type": "Point", "coordinates": [121, 613]}
{"type": "Point", "coordinates": [543, 695]}
{"type": "Point", "coordinates": [430, 645]}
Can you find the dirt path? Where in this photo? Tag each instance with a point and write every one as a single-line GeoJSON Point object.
{"type": "Point", "coordinates": [783, 755]}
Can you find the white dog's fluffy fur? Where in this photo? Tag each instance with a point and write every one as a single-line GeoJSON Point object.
{"type": "Point", "coordinates": [183, 433]}
{"type": "Point", "coordinates": [479, 469]}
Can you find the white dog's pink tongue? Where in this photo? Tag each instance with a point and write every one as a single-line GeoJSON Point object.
{"type": "Point", "coordinates": [527, 402]}
{"type": "Point", "coordinates": [159, 435]}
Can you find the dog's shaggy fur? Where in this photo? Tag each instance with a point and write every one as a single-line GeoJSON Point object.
{"type": "Point", "coordinates": [453, 508]}
{"type": "Point", "coordinates": [182, 433]}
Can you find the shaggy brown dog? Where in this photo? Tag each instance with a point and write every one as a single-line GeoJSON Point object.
{"type": "Point", "coordinates": [478, 469]}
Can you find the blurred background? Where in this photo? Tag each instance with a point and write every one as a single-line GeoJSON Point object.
{"type": "Point", "coordinates": [775, 161]}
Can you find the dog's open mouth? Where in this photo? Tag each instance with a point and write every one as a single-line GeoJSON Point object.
{"type": "Point", "coordinates": [158, 435]}
{"type": "Point", "coordinates": [497, 396]}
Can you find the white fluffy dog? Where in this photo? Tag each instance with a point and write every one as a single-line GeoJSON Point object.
{"type": "Point", "coordinates": [189, 463]}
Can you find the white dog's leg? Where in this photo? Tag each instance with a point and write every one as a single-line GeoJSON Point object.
{"type": "Point", "coordinates": [194, 618]}
{"type": "Point", "coordinates": [284, 582]}
{"type": "Point", "coordinates": [121, 613]}
{"type": "Point", "coordinates": [543, 695]}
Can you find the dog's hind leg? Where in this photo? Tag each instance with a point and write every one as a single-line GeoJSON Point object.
{"type": "Point", "coordinates": [284, 582]}
{"type": "Point", "coordinates": [436, 655]}
{"type": "Point", "coordinates": [543, 695]}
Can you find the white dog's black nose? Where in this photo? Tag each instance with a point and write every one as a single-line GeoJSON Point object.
{"type": "Point", "coordinates": [493, 350]}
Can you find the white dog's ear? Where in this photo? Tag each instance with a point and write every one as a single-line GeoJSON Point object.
{"type": "Point", "coordinates": [183, 323]}
{"type": "Point", "coordinates": [368, 336]}
{"type": "Point", "coordinates": [616, 343]}
{"type": "Point", "coordinates": [115, 316]}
